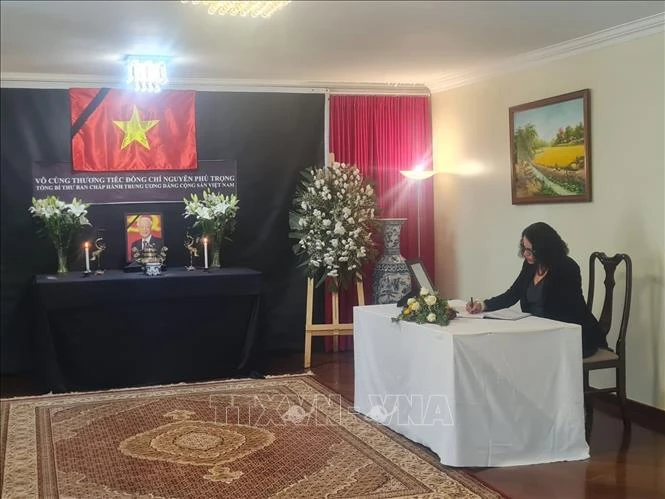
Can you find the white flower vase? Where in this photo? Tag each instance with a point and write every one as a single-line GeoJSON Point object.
{"type": "Point", "coordinates": [62, 259]}
{"type": "Point", "coordinates": [216, 262]}
{"type": "Point", "coordinates": [215, 249]}
{"type": "Point", "coordinates": [391, 279]}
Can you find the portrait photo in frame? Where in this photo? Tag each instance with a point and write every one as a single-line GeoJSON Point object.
{"type": "Point", "coordinates": [550, 150]}
{"type": "Point", "coordinates": [142, 229]}
{"type": "Point", "coordinates": [419, 276]}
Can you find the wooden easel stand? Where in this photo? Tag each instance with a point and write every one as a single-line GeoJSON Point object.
{"type": "Point", "coordinates": [335, 329]}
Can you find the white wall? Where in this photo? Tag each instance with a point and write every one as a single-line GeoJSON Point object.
{"type": "Point", "coordinates": [477, 228]}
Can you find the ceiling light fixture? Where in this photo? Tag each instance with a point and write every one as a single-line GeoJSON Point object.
{"type": "Point", "coordinates": [147, 74]}
{"type": "Point", "coordinates": [243, 9]}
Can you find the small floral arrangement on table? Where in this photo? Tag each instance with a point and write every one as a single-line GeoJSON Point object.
{"type": "Point", "coordinates": [215, 215]}
{"type": "Point", "coordinates": [333, 220]}
{"type": "Point", "coordinates": [61, 222]}
{"type": "Point", "coordinates": [427, 308]}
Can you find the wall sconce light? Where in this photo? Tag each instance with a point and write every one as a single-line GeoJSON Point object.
{"type": "Point", "coordinates": [146, 73]}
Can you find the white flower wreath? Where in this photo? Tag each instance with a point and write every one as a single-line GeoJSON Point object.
{"type": "Point", "coordinates": [333, 220]}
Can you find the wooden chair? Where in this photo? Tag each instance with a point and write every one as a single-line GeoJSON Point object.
{"type": "Point", "coordinates": [608, 359]}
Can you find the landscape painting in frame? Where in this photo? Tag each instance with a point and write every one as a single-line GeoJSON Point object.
{"type": "Point", "coordinates": [550, 150]}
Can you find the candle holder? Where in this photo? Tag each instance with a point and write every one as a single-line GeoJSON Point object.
{"type": "Point", "coordinates": [190, 244]}
{"type": "Point", "coordinates": [100, 246]}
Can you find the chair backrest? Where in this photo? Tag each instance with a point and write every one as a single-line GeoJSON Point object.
{"type": "Point", "coordinates": [610, 265]}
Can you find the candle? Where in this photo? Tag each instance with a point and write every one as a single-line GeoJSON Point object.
{"type": "Point", "coordinates": [87, 256]}
{"type": "Point", "coordinates": [205, 252]}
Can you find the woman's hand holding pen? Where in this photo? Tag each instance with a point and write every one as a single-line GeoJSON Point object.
{"type": "Point", "coordinates": [475, 307]}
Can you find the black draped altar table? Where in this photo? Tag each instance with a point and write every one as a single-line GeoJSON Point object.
{"type": "Point", "coordinates": [120, 329]}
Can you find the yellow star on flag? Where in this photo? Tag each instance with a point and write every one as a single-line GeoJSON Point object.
{"type": "Point", "coordinates": [135, 129]}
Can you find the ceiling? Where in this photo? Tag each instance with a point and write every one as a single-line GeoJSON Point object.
{"type": "Point", "coordinates": [396, 43]}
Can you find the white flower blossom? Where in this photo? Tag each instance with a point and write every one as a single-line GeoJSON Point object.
{"type": "Point", "coordinates": [430, 300]}
{"type": "Point", "coordinates": [339, 228]}
{"type": "Point", "coordinates": [431, 317]}
{"type": "Point", "coordinates": [204, 213]}
{"type": "Point", "coordinates": [215, 214]}
{"type": "Point", "coordinates": [424, 291]}
{"type": "Point", "coordinates": [334, 221]}
{"type": "Point", "coordinates": [220, 208]}
{"type": "Point", "coordinates": [60, 220]}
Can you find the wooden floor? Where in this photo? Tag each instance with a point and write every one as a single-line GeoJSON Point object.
{"type": "Point", "coordinates": [619, 467]}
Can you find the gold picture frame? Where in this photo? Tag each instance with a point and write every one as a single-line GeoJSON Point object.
{"type": "Point", "coordinates": [136, 225]}
{"type": "Point", "coordinates": [550, 150]}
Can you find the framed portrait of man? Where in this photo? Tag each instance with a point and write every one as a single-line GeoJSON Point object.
{"type": "Point", "coordinates": [143, 230]}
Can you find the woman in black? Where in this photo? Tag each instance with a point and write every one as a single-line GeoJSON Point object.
{"type": "Point", "coordinates": [549, 285]}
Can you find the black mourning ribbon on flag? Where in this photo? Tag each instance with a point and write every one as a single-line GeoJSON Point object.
{"type": "Point", "coordinates": [90, 108]}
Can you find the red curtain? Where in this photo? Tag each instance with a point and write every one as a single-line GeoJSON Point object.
{"type": "Point", "coordinates": [383, 135]}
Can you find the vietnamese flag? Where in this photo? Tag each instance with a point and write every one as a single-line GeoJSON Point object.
{"type": "Point", "coordinates": [119, 130]}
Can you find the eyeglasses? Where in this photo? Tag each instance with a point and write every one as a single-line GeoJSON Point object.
{"type": "Point", "coordinates": [527, 251]}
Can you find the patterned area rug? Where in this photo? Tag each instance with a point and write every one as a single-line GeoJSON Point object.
{"type": "Point", "coordinates": [285, 437]}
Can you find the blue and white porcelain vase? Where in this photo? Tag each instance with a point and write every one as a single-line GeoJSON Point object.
{"type": "Point", "coordinates": [391, 279]}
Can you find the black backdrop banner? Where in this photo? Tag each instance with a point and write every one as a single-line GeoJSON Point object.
{"type": "Point", "coordinates": [270, 136]}
{"type": "Point", "coordinates": [58, 179]}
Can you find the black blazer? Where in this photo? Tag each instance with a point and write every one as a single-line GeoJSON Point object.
{"type": "Point", "coordinates": [562, 300]}
{"type": "Point", "coordinates": [155, 241]}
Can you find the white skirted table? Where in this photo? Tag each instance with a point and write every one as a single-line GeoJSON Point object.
{"type": "Point", "coordinates": [478, 392]}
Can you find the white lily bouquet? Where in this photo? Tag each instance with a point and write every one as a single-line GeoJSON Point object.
{"type": "Point", "coordinates": [333, 220]}
{"type": "Point", "coordinates": [215, 215]}
{"type": "Point", "coordinates": [61, 221]}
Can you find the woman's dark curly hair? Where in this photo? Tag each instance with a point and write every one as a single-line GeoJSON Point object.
{"type": "Point", "coordinates": [548, 247]}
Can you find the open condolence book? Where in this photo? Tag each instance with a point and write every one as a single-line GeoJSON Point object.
{"type": "Point", "coordinates": [506, 314]}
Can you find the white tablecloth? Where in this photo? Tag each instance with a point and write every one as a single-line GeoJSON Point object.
{"type": "Point", "coordinates": [478, 392]}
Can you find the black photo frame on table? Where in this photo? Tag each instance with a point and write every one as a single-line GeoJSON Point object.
{"type": "Point", "coordinates": [137, 225]}
{"type": "Point", "coordinates": [419, 275]}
